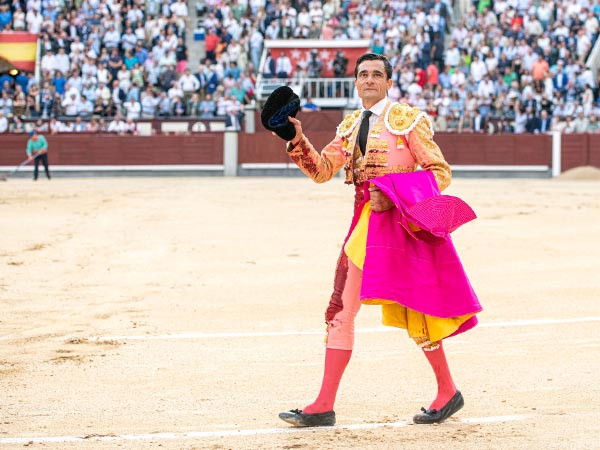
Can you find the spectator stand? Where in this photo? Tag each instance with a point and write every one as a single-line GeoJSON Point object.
{"type": "Point", "coordinates": [506, 36]}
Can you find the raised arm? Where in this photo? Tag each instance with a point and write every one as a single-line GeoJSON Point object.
{"type": "Point", "coordinates": [319, 167]}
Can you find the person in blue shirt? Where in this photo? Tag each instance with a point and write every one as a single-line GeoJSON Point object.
{"type": "Point", "coordinates": [37, 147]}
{"type": "Point", "coordinates": [22, 79]}
{"type": "Point", "coordinates": [59, 83]}
{"type": "Point", "coordinates": [233, 70]}
{"type": "Point", "coordinates": [140, 53]}
{"type": "Point", "coordinates": [310, 106]}
{"type": "Point", "coordinates": [5, 16]}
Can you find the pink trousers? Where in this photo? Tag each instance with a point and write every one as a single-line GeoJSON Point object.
{"type": "Point", "coordinates": [340, 332]}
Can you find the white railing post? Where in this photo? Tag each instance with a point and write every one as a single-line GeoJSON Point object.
{"type": "Point", "coordinates": [556, 153]}
{"type": "Point", "coordinates": [230, 153]}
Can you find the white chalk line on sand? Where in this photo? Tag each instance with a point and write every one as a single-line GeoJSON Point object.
{"type": "Point", "coordinates": [196, 335]}
{"type": "Point", "coordinates": [238, 433]}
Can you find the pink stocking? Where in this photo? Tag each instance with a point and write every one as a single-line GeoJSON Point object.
{"type": "Point", "coordinates": [335, 364]}
{"type": "Point", "coordinates": [446, 387]}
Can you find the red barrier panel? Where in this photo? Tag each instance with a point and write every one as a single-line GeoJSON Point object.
{"type": "Point", "coordinates": [106, 149]}
{"type": "Point", "coordinates": [499, 149]}
{"type": "Point", "coordinates": [594, 152]}
{"type": "Point", "coordinates": [265, 148]}
{"type": "Point", "coordinates": [575, 151]}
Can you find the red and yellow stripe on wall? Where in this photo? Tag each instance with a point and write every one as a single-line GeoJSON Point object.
{"type": "Point", "coordinates": [20, 49]}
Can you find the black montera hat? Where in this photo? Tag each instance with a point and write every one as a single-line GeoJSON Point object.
{"type": "Point", "coordinates": [281, 104]}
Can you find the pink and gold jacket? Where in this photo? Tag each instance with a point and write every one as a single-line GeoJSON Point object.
{"type": "Point", "coordinates": [400, 140]}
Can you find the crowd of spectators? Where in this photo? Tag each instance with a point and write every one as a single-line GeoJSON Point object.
{"type": "Point", "coordinates": [507, 65]}
{"type": "Point", "coordinates": [115, 61]}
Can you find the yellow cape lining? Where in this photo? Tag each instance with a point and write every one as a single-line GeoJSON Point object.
{"type": "Point", "coordinates": [418, 325]}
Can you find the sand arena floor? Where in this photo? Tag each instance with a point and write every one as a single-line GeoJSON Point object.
{"type": "Point", "coordinates": [146, 313]}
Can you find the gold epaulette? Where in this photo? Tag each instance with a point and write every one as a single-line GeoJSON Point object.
{"type": "Point", "coordinates": [350, 121]}
{"type": "Point", "coordinates": [402, 118]}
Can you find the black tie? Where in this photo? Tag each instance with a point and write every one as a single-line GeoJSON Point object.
{"type": "Point", "coordinates": [363, 131]}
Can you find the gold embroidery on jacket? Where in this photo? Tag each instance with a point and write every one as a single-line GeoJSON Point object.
{"type": "Point", "coordinates": [402, 116]}
{"type": "Point", "coordinates": [349, 123]}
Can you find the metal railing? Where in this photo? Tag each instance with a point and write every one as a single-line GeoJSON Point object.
{"type": "Point", "coordinates": [325, 92]}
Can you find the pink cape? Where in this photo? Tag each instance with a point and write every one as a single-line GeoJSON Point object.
{"type": "Point", "coordinates": [419, 270]}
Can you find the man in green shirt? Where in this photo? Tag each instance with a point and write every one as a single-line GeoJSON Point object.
{"type": "Point", "coordinates": [37, 147]}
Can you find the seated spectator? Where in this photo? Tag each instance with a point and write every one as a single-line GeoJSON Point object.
{"type": "Point", "coordinates": [465, 123]}
{"type": "Point", "coordinates": [100, 108]}
{"type": "Point", "coordinates": [140, 53]}
{"type": "Point", "coordinates": [17, 126]}
{"type": "Point", "coordinates": [79, 126]}
{"type": "Point", "coordinates": [130, 60]}
{"type": "Point", "coordinates": [207, 107]}
{"type": "Point", "coordinates": [581, 123]}
{"type": "Point", "coordinates": [310, 106]}
{"type": "Point", "coordinates": [239, 93]}
{"type": "Point", "coordinates": [233, 114]}
{"type": "Point", "coordinates": [53, 125]}
{"type": "Point", "coordinates": [111, 38]}
{"type": "Point", "coordinates": [64, 127]}
{"type": "Point", "coordinates": [124, 77]}
{"type": "Point", "coordinates": [19, 19]}
{"type": "Point", "coordinates": [41, 126]}
{"type": "Point", "coordinates": [149, 104]}
{"type": "Point", "coordinates": [62, 62]}
{"type": "Point", "coordinates": [543, 123]}
{"type": "Point", "coordinates": [117, 125]}
{"type": "Point", "coordinates": [479, 123]}
{"type": "Point", "coordinates": [569, 127]}
{"type": "Point", "coordinates": [92, 126]}
{"type": "Point", "coordinates": [85, 107]}
{"type": "Point", "coordinates": [169, 59]}
{"type": "Point", "coordinates": [188, 84]}
{"type": "Point", "coordinates": [193, 105]}
{"type": "Point", "coordinates": [3, 122]}
{"type": "Point", "coordinates": [6, 103]}
{"type": "Point", "coordinates": [131, 127]}
{"type": "Point", "coordinates": [69, 105]}
{"type": "Point", "coordinates": [593, 125]}
{"type": "Point", "coordinates": [6, 16]}
{"type": "Point", "coordinates": [440, 123]}
{"type": "Point", "coordinates": [283, 65]}
{"type": "Point", "coordinates": [167, 77]}
{"type": "Point", "coordinates": [103, 75]}
{"type": "Point", "coordinates": [178, 107]}
{"type": "Point", "coordinates": [102, 126]}
{"type": "Point", "coordinates": [164, 105]}
{"type": "Point", "coordinates": [115, 63]}
{"type": "Point", "coordinates": [59, 83]}
{"type": "Point", "coordinates": [175, 91]}
{"type": "Point", "coordinates": [128, 41]}
{"type": "Point", "coordinates": [133, 109]}
{"type": "Point", "coordinates": [118, 96]}
{"type": "Point", "coordinates": [33, 106]}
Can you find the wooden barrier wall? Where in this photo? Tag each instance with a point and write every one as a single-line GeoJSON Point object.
{"type": "Point", "coordinates": [262, 147]}
{"type": "Point", "coordinates": [105, 149]}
